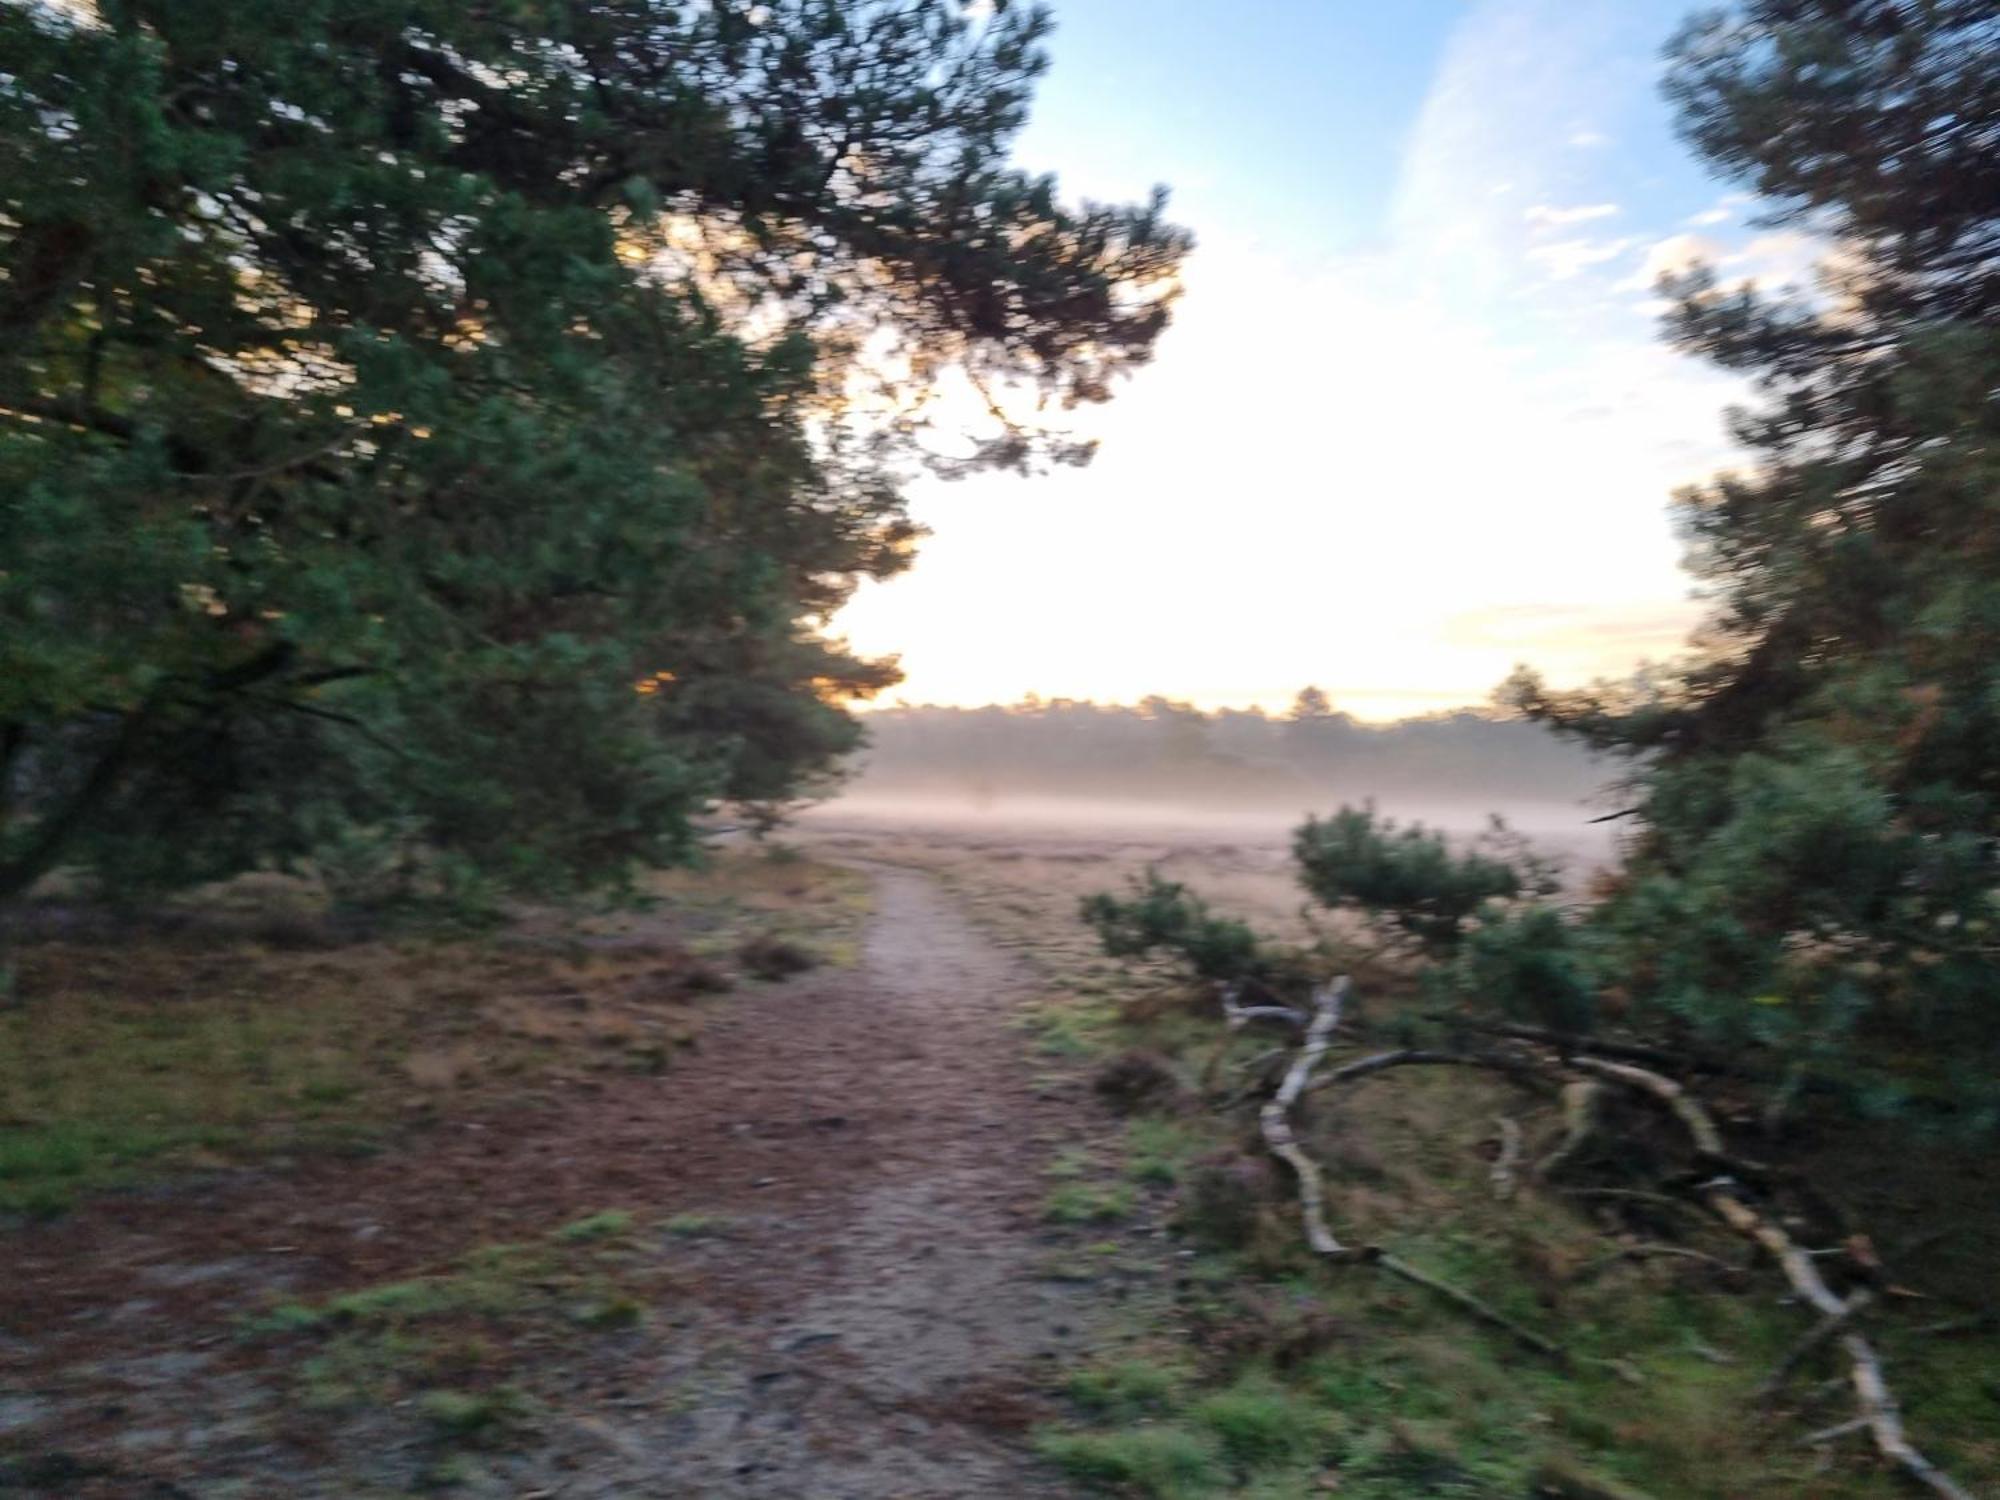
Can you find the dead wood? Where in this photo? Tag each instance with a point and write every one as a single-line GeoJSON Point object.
{"type": "Point", "coordinates": [1885, 1421]}
{"type": "Point", "coordinates": [1567, 1043]}
{"type": "Point", "coordinates": [1237, 1015]}
{"type": "Point", "coordinates": [1520, 1069]}
{"type": "Point", "coordinates": [1829, 1434]}
{"type": "Point", "coordinates": [1699, 1123]}
{"type": "Point", "coordinates": [1651, 1251]}
{"type": "Point", "coordinates": [1484, 1312]}
{"type": "Point", "coordinates": [1816, 1337]}
{"type": "Point", "coordinates": [1880, 1413]}
{"type": "Point", "coordinates": [1283, 1143]}
{"type": "Point", "coordinates": [1275, 1119]}
{"type": "Point", "coordinates": [1580, 1099]}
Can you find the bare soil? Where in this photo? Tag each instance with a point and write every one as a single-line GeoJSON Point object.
{"type": "Point", "coordinates": [868, 1317]}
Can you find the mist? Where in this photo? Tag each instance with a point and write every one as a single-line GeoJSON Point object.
{"type": "Point", "coordinates": [1060, 770]}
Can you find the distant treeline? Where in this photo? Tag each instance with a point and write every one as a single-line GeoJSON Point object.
{"type": "Point", "coordinates": [1312, 755]}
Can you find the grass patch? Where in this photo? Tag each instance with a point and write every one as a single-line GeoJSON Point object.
{"type": "Point", "coordinates": [459, 1341]}
{"type": "Point", "coordinates": [1300, 1382]}
{"type": "Point", "coordinates": [697, 1225]}
{"type": "Point", "coordinates": [1158, 1149]}
{"type": "Point", "coordinates": [1126, 1388]}
{"type": "Point", "coordinates": [609, 1224]}
{"type": "Point", "coordinates": [1258, 1422]}
{"type": "Point", "coordinates": [1069, 1029]}
{"type": "Point", "coordinates": [150, 1052]}
{"type": "Point", "coordinates": [1087, 1203]}
{"type": "Point", "coordinates": [1161, 1460]}
{"type": "Point", "coordinates": [463, 1415]}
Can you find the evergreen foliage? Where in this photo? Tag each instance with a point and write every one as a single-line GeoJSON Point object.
{"type": "Point", "coordinates": [1163, 916]}
{"type": "Point", "coordinates": [1410, 876]}
{"type": "Point", "coordinates": [432, 436]}
{"type": "Point", "coordinates": [1816, 794]}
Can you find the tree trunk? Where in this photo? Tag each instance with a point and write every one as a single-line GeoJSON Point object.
{"type": "Point", "coordinates": [52, 834]}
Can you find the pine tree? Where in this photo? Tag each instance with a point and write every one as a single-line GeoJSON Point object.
{"type": "Point", "coordinates": [1817, 794]}
{"type": "Point", "coordinates": [444, 428]}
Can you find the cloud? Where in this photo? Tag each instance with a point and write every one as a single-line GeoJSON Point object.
{"type": "Point", "coordinates": [1672, 256]}
{"type": "Point", "coordinates": [1542, 216]}
{"type": "Point", "coordinates": [1562, 259]}
{"type": "Point", "coordinates": [1397, 470]}
{"type": "Point", "coordinates": [1785, 258]}
{"type": "Point", "coordinates": [1723, 211]}
{"type": "Point", "coordinates": [1585, 140]}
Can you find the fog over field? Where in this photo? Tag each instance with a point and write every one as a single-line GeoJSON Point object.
{"type": "Point", "coordinates": [1160, 770]}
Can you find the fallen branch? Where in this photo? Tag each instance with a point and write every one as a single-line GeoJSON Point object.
{"type": "Point", "coordinates": [1885, 1421]}
{"type": "Point", "coordinates": [1880, 1413]}
{"type": "Point", "coordinates": [1837, 1430]}
{"type": "Point", "coordinates": [1480, 1310]}
{"type": "Point", "coordinates": [1700, 1124]}
{"type": "Point", "coordinates": [1275, 1120]}
{"type": "Point", "coordinates": [1568, 1042]}
{"type": "Point", "coordinates": [1816, 1337]}
{"type": "Point", "coordinates": [1580, 1099]}
{"type": "Point", "coordinates": [1723, 1195]}
{"type": "Point", "coordinates": [1401, 1057]}
{"type": "Point", "coordinates": [1653, 1252]}
{"type": "Point", "coordinates": [1237, 1015]}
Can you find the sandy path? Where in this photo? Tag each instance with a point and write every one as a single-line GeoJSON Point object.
{"type": "Point", "coordinates": [873, 1324]}
{"type": "Point", "coordinates": [889, 1355]}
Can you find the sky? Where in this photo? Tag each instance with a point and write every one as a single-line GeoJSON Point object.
{"type": "Point", "coordinates": [1413, 422]}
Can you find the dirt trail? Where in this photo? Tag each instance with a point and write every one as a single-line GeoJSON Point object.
{"type": "Point", "coordinates": [873, 1323]}
{"type": "Point", "coordinates": [912, 1310]}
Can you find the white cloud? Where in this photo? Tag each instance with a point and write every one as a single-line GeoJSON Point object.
{"type": "Point", "coordinates": [1562, 259]}
{"type": "Point", "coordinates": [1723, 211]}
{"type": "Point", "coordinates": [1784, 258]}
{"type": "Point", "coordinates": [1585, 140]}
{"type": "Point", "coordinates": [1395, 471]}
{"type": "Point", "coordinates": [1543, 216]}
{"type": "Point", "coordinates": [1672, 256]}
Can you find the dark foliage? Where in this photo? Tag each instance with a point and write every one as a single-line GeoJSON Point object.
{"type": "Point", "coordinates": [1816, 847]}
{"type": "Point", "coordinates": [430, 427]}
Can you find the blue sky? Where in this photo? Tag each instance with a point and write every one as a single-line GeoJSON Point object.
{"type": "Point", "coordinates": [1413, 422]}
